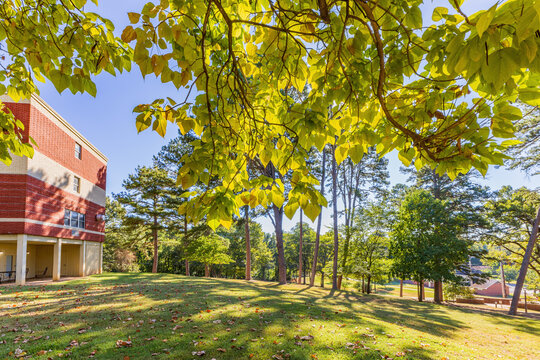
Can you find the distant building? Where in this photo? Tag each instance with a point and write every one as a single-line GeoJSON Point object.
{"type": "Point", "coordinates": [492, 287]}
{"type": "Point", "coordinates": [51, 206]}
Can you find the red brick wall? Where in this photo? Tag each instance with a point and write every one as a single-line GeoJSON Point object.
{"type": "Point", "coordinates": [12, 196]}
{"type": "Point", "coordinates": [23, 196]}
{"type": "Point", "coordinates": [57, 145]}
{"type": "Point", "coordinates": [493, 290]}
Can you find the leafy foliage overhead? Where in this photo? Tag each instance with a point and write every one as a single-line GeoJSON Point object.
{"type": "Point", "coordinates": [371, 74]}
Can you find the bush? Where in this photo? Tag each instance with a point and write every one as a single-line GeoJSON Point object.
{"type": "Point", "coordinates": [124, 261]}
{"type": "Point", "coordinates": [452, 291]}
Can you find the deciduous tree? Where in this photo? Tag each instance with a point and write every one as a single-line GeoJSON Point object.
{"type": "Point", "coordinates": [438, 94]}
{"type": "Point", "coordinates": [425, 243]}
{"type": "Point", "coordinates": [210, 250]}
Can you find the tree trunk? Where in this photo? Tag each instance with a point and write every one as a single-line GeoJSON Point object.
{"type": "Point", "coordinates": [300, 249]}
{"type": "Point", "coordinates": [436, 292]}
{"type": "Point", "coordinates": [185, 235]}
{"type": "Point", "coordinates": [345, 254]}
{"type": "Point", "coordinates": [319, 223]}
{"type": "Point", "coordinates": [155, 236]}
{"type": "Point", "coordinates": [304, 282]}
{"type": "Point", "coordinates": [363, 285]}
{"type": "Point", "coordinates": [282, 267]}
{"type": "Point", "coordinates": [334, 201]}
{"type": "Point", "coordinates": [206, 270]}
{"type": "Point", "coordinates": [248, 245]}
{"type": "Point", "coordinates": [525, 265]}
{"type": "Point", "coordinates": [368, 288]}
{"type": "Point", "coordinates": [503, 280]}
{"type": "Point", "coordinates": [471, 282]}
{"type": "Point", "coordinates": [322, 279]}
{"type": "Point", "coordinates": [400, 288]}
{"type": "Point", "coordinates": [420, 290]}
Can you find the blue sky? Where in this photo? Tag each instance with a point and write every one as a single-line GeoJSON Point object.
{"type": "Point", "coordinates": [107, 120]}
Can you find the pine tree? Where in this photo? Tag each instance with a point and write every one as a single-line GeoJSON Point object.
{"type": "Point", "coordinates": [147, 200]}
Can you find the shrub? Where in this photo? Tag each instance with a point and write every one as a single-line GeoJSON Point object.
{"type": "Point", "coordinates": [452, 291]}
{"type": "Point", "coordinates": [124, 261]}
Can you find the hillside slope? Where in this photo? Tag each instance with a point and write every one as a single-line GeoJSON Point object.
{"type": "Point", "coordinates": [137, 316]}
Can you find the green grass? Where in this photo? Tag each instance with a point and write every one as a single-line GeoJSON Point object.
{"type": "Point", "coordinates": [409, 291]}
{"type": "Point", "coordinates": [173, 317]}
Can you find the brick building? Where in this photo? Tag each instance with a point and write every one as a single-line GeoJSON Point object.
{"type": "Point", "coordinates": [51, 206]}
{"type": "Point", "coordinates": [492, 287]}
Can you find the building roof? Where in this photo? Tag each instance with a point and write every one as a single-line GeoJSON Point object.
{"type": "Point", "coordinates": [41, 105]}
{"type": "Point", "coordinates": [487, 284]}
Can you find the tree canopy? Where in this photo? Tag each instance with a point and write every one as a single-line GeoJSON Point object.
{"type": "Point", "coordinates": [371, 74]}
{"type": "Point", "coordinates": [425, 243]}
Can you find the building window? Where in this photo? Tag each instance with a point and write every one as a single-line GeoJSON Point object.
{"type": "Point", "coordinates": [74, 219]}
{"type": "Point", "coordinates": [67, 218]}
{"type": "Point", "coordinates": [78, 151]}
{"type": "Point", "coordinates": [77, 184]}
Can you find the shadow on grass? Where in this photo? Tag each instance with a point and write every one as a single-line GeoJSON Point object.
{"type": "Point", "coordinates": [189, 314]}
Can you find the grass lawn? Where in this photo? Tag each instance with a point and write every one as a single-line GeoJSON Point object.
{"type": "Point", "coordinates": [137, 316]}
{"type": "Point", "coordinates": [408, 290]}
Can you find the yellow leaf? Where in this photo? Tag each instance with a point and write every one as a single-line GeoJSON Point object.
{"type": "Point", "coordinates": [129, 34]}
{"type": "Point", "coordinates": [134, 17]}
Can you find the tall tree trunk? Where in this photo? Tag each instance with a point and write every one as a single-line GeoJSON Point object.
{"type": "Point", "coordinates": [319, 223]}
{"type": "Point", "coordinates": [471, 282]}
{"type": "Point", "coordinates": [437, 292]}
{"type": "Point", "coordinates": [300, 249]}
{"type": "Point", "coordinates": [304, 282]}
{"type": "Point", "coordinates": [345, 254]}
{"type": "Point", "coordinates": [421, 290]}
{"type": "Point", "coordinates": [363, 285]}
{"type": "Point", "coordinates": [206, 270]}
{"type": "Point", "coordinates": [155, 236]}
{"type": "Point", "coordinates": [525, 265]}
{"type": "Point", "coordinates": [336, 238]}
{"type": "Point", "coordinates": [503, 280]}
{"type": "Point", "coordinates": [248, 245]}
{"type": "Point", "coordinates": [322, 279]}
{"type": "Point", "coordinates": [401, 288]}
{"type": "Point", "coordinates": [185, 235]}
{"type": "Point", "coordinates": [282, 266]}
{"type": "Point", "coordinates": [368, 287]}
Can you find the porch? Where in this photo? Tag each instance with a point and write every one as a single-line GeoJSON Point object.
{"type": "Point", "coordinates": [25, 257]}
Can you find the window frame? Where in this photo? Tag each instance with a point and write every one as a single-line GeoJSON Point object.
{"type": "Point", "coordinates": [78, 151]}
{"type": "Point", "coordinates": [76, 184]}
{"type": "Point", "coordinates": [74, 219]}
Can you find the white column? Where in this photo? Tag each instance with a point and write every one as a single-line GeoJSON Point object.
{"type": "Point", "coordinates": [57, 260]}
{"type": "Point", "coordinates": [82, 259]}
{"type": "Point", "coordinates": [20, 271]}
{"type": "Point", "coordinates": [100, 258]}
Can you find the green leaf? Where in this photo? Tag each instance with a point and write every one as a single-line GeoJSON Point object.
{"type": "Point", "coordinates": [485, 20]}
{"type": "Point", "coordinates": [530, 96]}
{"type": "Point", "coordinates": [312, 211]}
{"type": "Point", "coordinates": [438, 13]}
{"type": "Point", "coordinates": [290, 208]}
{"type": "Point", "coordinates": [413, 17]}
{"type": "Point", "coordinates": [187, 181]}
